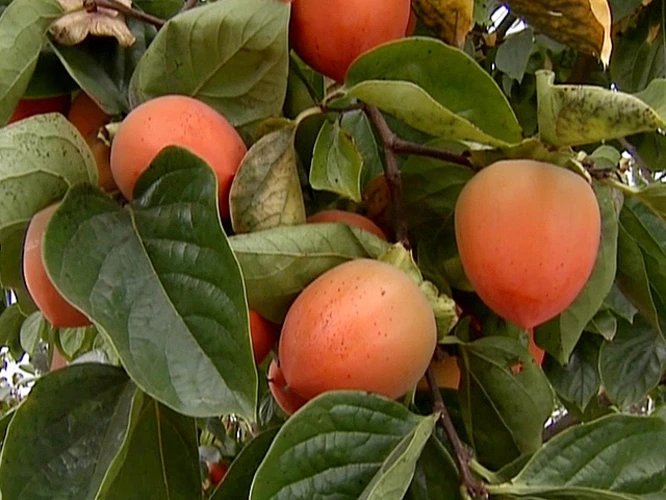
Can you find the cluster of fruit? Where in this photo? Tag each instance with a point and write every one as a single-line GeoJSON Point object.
{"type": "Point", "coordinates": [527, 232]}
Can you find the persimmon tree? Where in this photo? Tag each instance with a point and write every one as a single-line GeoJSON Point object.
{"type": "Point", "coordinates": [261, 249]}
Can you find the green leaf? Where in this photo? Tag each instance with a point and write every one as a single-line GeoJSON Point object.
{"type": "Point", "coordinates": [238, 480]}
{"type": "Point", "coordinates": [357, 126]}
{"type": "Point", "coordinates": [505, 399]}
{"type": "Point", "coordinates": [572, 115]}
{"type": "Point", "coordinates": [337, 164]}
{"type": "Point", "coordinates": [266, 191]}
{"type": "Point", "coordinates": [578, 381]}
{"type": "Point", "coordinates": [631, 365]}
{"type": "Point", "coordinates": [604, 323]}
{"type": "Point", "coordinates": [414, 106]}
{"type": "Point", "coordinates": [615, 457]}
{"type": "Point", "coordinates": [278, 263]}
{"type": "Point", "coordinates": [161, 280]}
{"type": "Point", "coordinates": [75, 340]}
{"type": "Point", "coordinates": [50, 77]}
{"type": "Point", "coordinates": [358, 446]}
{"type": "Point", "coordinates": [642, 261]}
{"type": "Point", "coordinates": [436, 475]}
{"type": "Point", "coordinates": [560, 335]}
{"type": "Point", "coordinates": [653, 196]}
{"type": "Point", "coordinates": [653, 96]}
{"type": "Point", "coordinates": [23, 27]}
{"type": "Point", "coordinates": [71, 416]}
{"type": "Point", "coordinates": [623, 8]}
{"type": "Point", "coordinates": [232, 55]}
{"type": "Point", "coordinates": [34, 329]}
{"type": "Point", "coordinates": [40, 158]}
{"type": "Point", "coordinates": [514, 54]}
{"type": "Point", "coordinates": [103, 68]}
{"type": "Point", "coordinates": [619, 304]}
{"type": "Point", "coordinates": [160, 8]}
{"type": "Point", "coordinates": [160, 459]}
{"type": "Point", "coordinates": [11, 320]}
{"type": "Point", "coordinates": [11, 268]}
{"type": "Point", "coordinates": [468, 92]}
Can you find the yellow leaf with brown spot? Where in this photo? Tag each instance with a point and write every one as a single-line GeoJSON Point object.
{"type": "Point", "coordinates": [78, 23]}
{"type": "Point", "coordinates": [584, 25]}
{"type": "Point", "coordinates": [450, 20]}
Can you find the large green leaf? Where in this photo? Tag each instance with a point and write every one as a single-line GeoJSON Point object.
{"type": "Point", "coordinates": [278, 263]}
{"type": "Point", "coordinates": [616, 457]}
{"type": "Point", "coordinates": [468, 92]}
{"type": "Point", "coordinates": [642, 261]}
{"type": "Point", "coordinates": [514, 54]}
{"type": "Point", "coordinates": [65, 435]}
{"type": "Point", "coordinates": [103, 68]}
{"type": "Point", "coordinates": [560, 335]}
{"type": "Point", "coordinates": [160, 8]}
{"type": "Point", "coordinates": [505, 399]}
{"type": "Point", "coordinates": [571, 115]}
{"type": "Point", "coordinates": [232, 55]}
{"type": "Point", "coordinates": [653, 196]}
{"type": "Point", "coordinates": [23, 27]}
{"type": "Point", "coordinates": [337, 163]}
{"type": "Point", "coordinates": [578, 381]}
{"type": "Point", "coordinates": [632, 364]}
{"type": "Point", "coordinates": [160, 458]}
{"type": "Point", "coordinates": [358, 446]}
{"type": "Point", "coordinates": [11, 321]}
{"type": "Point", "coordinates": [266, 191]}
{"type": "Point", "coordinates": [40, 158]}
{"type": "Point", "coordinates": [161, 280]}
{"type": "Point", "coordinates": [436, 475]}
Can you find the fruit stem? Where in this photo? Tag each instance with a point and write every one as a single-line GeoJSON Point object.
{"type": "Point", "coordinates": [474, 487]}
{"type": "Point", "coordinates": [128, 11]}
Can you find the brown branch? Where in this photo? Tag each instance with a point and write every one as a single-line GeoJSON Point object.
{"type": "Point", "coordinates": [392, 174]}
{"type": "Point", "coordinates": [474, 487]}
{"type": "Point", "coordinates": [128, 11]}
{"type": "Point", "coordinates": [401, 146]}
{"type": "Point", "coordinates": [560, 425]}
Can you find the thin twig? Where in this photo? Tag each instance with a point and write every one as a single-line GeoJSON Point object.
{"type": "Point", "coordinates": [560, 425]}
{"type": "Point", "coordinates": [474, 487]}
{"type": "Point", "coordinates": [401, 146]}
{"type": "Point", "coordinates": [128, 11]}
{"type": "Point", "coordinates": [504, 26]}
{"type": "Point", "coordinates": [392, 174]}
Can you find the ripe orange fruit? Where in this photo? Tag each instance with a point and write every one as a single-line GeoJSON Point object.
{"type": "Point", "coordinates": [330, 35]}
{"type": "Point", "coordinates": [528, 235]}
{"type": "Point", "coordinates": [217, 471]}
{"type": "Point", "coordinates": [537, 353]}
{"type": "Point", "coordinates": [349, 218]}
{"type": "Point", "coordinates": [362, 325]}
{"type": "Point", "coordinates": [264, 336]}
{"type": "Point", "coordinates": [29, 107]}
{"type": "Point", "coordinates": [89, 118]}
{"type": "Point", "coordinates": [180, 121]}
{"type": "Point", "coordinates": [447, 374]}
{"type": "Point", "coordinates": [55, 308]}
{"type": "Point", "coordinates": [286, 399]}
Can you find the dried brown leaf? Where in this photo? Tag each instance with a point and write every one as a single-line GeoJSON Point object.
{"type": "Point", "coordinates": [450, 20]}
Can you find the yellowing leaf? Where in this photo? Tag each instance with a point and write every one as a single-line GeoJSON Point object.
{"type": "Point", "coordinates": [584, 25]}
{"type": "Point", "coordinates": [451, 20]}
{"type": "Point", "coordinates": [74, 26]}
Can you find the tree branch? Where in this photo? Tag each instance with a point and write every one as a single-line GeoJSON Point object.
{"type": "Point", "coordinates": [392, 174]}
{"type": "Point", "coordinates": [123, 9]}
{"type": "Point", "coordinates": [474, 487]}
{"type": "Point", "coordinates": [401, 146]}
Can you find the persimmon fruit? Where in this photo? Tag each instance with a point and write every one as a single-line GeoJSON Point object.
{"type": "Point", "coordinates": [264, 336]}
{"type": "Point", "coordinates": [537, 353]}
{"type": "Point", "coordinates": [176, 120]}
{"type": "Point", "coordinates": [446, 371]}
{"type": "Point", "coordinates": [362, 325]}
{"type": "Point", "coordinates": [330, 35]}
{"type": "Point", "coordinates": [89, 118]}
{"type": "Point", "coordinates": [349, 218]}
{"type": "Point", "coordinates": [48, 300]}
{"type": "Point", "coordinates": [528, 234]}
{"type": "Point", "coordinates": [216, 472]}
{"type": "Point", "coordinates": [28, 107]}
{"type": "Point", "coordinates": [288, 401]}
